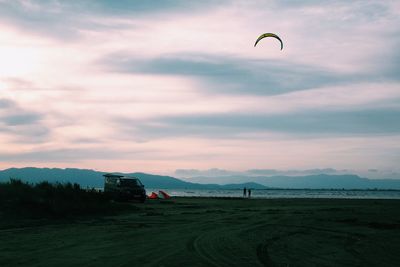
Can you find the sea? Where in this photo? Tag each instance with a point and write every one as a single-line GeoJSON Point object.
{"type": "Point", "coordinates": [284, 193]}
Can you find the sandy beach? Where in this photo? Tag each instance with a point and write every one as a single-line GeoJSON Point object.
{"type": "Point", "coordinates": [215, 232]}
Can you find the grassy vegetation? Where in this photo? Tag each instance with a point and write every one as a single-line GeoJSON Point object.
{"type": "Point", "coordinates": [46, 200]}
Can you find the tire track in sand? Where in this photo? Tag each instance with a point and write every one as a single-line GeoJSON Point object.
{"type": "Point", "coordinates": [216, 248]}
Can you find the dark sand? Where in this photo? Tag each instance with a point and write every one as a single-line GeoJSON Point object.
{"type": "Point", "coordinates": [215, 232]}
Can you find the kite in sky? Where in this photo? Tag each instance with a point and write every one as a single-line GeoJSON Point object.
{"type": "Point", "coordinates": [262, 36]}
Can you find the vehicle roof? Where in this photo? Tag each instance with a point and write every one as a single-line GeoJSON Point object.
{"type": "Point", "coordinates": [113, 175]}
{"type": "Point", "coordinates": [120, 176]}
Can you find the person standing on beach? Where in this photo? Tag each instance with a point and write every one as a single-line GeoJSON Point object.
{"type": "Point", "coordinates": [244, 192]}
{"type": "Point", "coordinates": [249, 191]}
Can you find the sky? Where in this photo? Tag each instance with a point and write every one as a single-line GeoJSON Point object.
{"type": "Point", "coordinates": [173, 86]}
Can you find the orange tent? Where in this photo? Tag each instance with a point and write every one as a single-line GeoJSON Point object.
{"type": "Point", "coordinates": [153, 196]}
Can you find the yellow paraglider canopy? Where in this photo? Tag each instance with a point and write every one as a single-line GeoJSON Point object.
{"type": "Point", "coordinates": [262, 36]}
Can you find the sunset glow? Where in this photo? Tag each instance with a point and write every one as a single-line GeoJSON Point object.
{"type": "Point", "coordinates": [155, 88]}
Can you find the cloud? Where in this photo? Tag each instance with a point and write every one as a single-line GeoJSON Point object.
{"type": "Point", "coordinates": [124, 7]}
{"type": "Point", "coordinates": [230, 75]}
{"type": "Point", "coordinates": [66, 20]}
{"type": "Point", "coordinates": [270, 172]}
{"type": "Point", "coordinates": [226, 74]}
{"type": "Point", "coordinates": [75, 154]}
{"type": "Point", "coordinates": [6, 103]}
{"type": "Point", "coordinates": [238, 125]}
{"type": "Point", "coordinates": [209, 173]}
{"type": "Point", "coordinates": [21, 124]}
{"type": "Point", "coordinates": [21, 119]}
{"type": "Point", "coordinates": [57, 155]}
{"type": "Point", "coordinates": [19, 135]}
{"type": "Point", "coordinates": [215, 172]}
{"type": "Point", "coordinates": [224, 176]}
{"type": "Point", "coordinates": [43, 17]}
{"type": "Point", "coordinates": [11, 114]}
{"type": "Point", "coordinates": [392, 65]}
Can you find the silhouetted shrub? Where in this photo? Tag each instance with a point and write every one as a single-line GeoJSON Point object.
{"type": "Point", "coordinates": [46, 200]}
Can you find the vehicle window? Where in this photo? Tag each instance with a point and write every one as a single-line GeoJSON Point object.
{"type": "Point", "coordinates": [129, 182]}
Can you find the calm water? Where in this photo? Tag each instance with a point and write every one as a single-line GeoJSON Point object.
{"type": "Point", "coordinates": [286, 193]}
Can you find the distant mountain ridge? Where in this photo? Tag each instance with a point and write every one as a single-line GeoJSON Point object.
{"type": "Point", "coordinates": [92, 178]}
{"type": "Point", "coordinates": [318, 181]}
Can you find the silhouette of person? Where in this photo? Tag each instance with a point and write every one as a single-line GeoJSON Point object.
{"type": "Point", "coordinates": [249, 191]}
{"type": "Point", "coordinates": [244, 192]}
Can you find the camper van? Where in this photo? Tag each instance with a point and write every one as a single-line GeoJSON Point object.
{"type": "Point", "coordinates": [124, 188]}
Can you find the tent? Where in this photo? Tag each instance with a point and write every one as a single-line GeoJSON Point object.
{"type": "Point", "coordinates": [163, 195]}
{"type": "Point", "coordinates": [153, 196]}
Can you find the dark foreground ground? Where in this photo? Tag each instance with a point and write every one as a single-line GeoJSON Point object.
{"type": "Point", "coordinates": [214, 232]}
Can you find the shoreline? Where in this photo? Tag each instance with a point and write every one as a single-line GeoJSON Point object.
{"type": "Point", "coordinates": [282, 193]}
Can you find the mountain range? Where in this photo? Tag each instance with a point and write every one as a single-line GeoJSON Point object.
{"type": "Point", "coordinates": [92, 178]}
{"type": "Point", "coordinates": [317, 181]}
